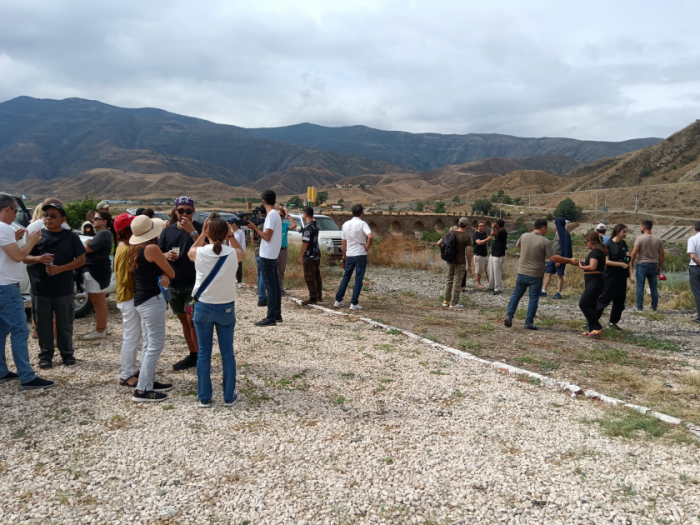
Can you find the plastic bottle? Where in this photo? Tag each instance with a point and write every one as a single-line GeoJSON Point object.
{"type": "Point", "coordinates": [164, 292]}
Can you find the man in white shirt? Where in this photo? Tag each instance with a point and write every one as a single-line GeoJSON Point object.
{"type": "Point", "coordinates": [694, 268]}
{"type": "Point", "coordinates": [13, 321]}
{"type": "Point", "coordinates": [357, 239]}
{"type": "Point", "coordinates": [270, 245]}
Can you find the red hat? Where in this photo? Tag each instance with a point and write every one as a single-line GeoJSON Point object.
{"type": "Point", "coordinates": [122, 221]}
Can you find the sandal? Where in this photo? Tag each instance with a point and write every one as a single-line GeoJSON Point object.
{"type": "Point", "coordinates": [125, 382]}
{"type": "Point", "coordinates": [594, 333]}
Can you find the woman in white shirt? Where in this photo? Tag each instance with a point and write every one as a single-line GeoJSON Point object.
{"type": "Point", "coordinates": [215, 295]}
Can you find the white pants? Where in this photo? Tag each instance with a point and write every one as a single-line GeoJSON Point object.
{"type": "Point", "coordinates": [131, 321]}
{"type": "Point", "coordinates": [152, 314]}
{"type": "Point", "coordinates": [495, 272]}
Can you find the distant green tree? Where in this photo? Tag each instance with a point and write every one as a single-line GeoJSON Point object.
{"type": "Point", "coordinates": [517, 201]}
{"type": "Point", "coordinates": [295, 200]}
{"type": "Point", "coordinates": [507, 200]}
{"type": "Point", "coordinates": [341, 201]}
{"type": "Point", "coordinates": [440, 207]}
{"type": "Point", "coordinates": [420, 206]}
{"type": "Point", "coordinates": [76, 211]}
{"type": "Point", "coordinates": [456, 199]}
{"type": "Point", "coordinates": [568, 209]}
{"type": "Point", "coordinates": [321, 197]}
{"type": "Point", "coordinates": [482, 205]}
{"type": "Point", "coordinates": [362, 186]}
{"type": "Point", "coordinates": [391, 208]}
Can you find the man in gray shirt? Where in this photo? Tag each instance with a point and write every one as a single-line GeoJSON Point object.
{"type": "Point", "coordinates": [535, 250]}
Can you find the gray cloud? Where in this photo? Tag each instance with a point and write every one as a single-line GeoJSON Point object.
{"type": "Point", "coordinates": [603, 71]}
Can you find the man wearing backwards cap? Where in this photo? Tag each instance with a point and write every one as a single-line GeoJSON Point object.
{"type": "Point", "coordinates": [601, 229]}
{"type": "Point", "coordinates": [175, 243]}
{"type": "Point", "coordinates": [53, 261]}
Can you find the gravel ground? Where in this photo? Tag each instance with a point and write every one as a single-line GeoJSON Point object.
{"type": "Point", "coordinates": [335, 423]}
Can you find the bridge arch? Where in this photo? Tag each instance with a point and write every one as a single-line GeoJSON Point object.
{"type": "Point", "coordinates": [439, 225]}
{"type": "Point", "coordinates": [397, 227]}
{"type": "Point", "coordinates": [419, 226]}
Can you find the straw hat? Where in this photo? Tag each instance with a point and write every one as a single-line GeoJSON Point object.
{"type": "Point", "coordinates": [144, 229]}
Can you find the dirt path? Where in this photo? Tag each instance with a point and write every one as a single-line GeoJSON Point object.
{"type": "Point", "coordinates": [654, 362]}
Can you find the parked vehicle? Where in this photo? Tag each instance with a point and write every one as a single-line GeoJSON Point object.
{"type": "Point", "coordinates": [159, 214]}
{"type": "Point", "coordinates": [83, 306]}
{"type": "Point", "coordinates": [329, 235]}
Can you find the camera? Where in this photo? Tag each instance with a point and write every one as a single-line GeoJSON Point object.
{"type": "Point", "coordinates": [253, 216]}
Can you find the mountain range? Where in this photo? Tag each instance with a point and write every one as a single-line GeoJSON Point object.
{"type": "Point", "coordinates": [48, 139]}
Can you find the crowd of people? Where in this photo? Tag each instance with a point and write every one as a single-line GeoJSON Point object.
{"type": "Point", "coordinates": [196, 269]}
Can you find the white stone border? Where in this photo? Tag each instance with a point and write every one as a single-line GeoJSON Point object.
{"type": "Point", "coordinates": [569, 388]}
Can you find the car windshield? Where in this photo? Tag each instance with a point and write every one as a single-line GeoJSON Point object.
{"type": "Point", "coordinates": [326, 224]}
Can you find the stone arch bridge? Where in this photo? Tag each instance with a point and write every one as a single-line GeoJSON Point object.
{"type": "Point", "coordinates": [412, 223]}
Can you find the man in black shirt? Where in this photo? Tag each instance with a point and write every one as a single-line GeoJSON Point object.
{"type": "Point", "coordinates": [481, 252]}
{"type": "Point", "coordinates": [498, 255]}
{"type": "Point", "coordinates": [54, 260]}
{"type": "Point", "coordinates": [175, 242]}
{"type": "Point", "coordinates": [311, 255]}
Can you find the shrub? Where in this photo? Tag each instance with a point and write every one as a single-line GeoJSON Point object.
{"type": "Point", "coordinates": [440, 207]}
{"type": "Point", "coordinates": [517, 201]}
{"type": "Point", "coordinates": [507, 200]}
{"type": "Point", "coordinates": [76, 211]}
{"type": "Point", "coordinates": [456, 199]}
{"type": "Point", "coordinates": [482, 205]}
{"type": "Point", "coordinates": [568, 209]}
{"type": "Point", "coordinates": [420, 205]}
{"type": "Point", "coordinates": [646, 171]}
{"type": "Point", "coordinates": [296, 201]}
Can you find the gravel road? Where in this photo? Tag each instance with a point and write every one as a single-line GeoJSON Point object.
{"type": "Point", "coordinates": [336, 423]}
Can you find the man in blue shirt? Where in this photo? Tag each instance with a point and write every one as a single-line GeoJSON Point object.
{"type": "Point", "coordinates": [601, 229]}
{"type": "Point", "coordinates": [287, 223]}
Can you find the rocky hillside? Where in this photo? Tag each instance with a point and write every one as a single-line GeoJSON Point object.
{"type": "Point", "coordinates": [48, 139]}
{"type": "Point", "coordinates": [429, 151]}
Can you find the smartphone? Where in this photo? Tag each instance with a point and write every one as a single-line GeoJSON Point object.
{"type": "Point", "coordinates": [628, 258]}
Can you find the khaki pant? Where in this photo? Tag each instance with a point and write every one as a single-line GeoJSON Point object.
{"type": "Point", "coordinates": [312, 276]}
{"type": "Point", "coordinates": [480, 264]}
{"type": "Point", "coordinates": [453, 285]}
{"type": "Point", "coordinates": [495, 272]}
{"type": "Point", "coordinates": [282, 266]}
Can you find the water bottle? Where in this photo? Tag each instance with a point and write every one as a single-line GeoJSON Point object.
{"type": "Point", "coordinates": [49, 264]}
{"type": "Point", "coordinates": [164, 292]}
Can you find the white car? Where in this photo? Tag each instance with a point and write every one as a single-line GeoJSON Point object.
{"type": "Point", "coordinates": [329, 237]}
{"type": "Point", "coordinates": [83, 306]}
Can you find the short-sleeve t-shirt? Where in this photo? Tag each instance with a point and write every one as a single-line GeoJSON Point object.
{"type": "Point", "coordinates": [535, 249]}
{"type": "Point", "coordinates": [355, 232]}
{"type": "Point", "coordinates": [271, 249]}
{"type": "Point", "coordinates": [649, 246]}
{"type": "Point", "coordinates": [463, 241]}
{"type": "Point", "coordinates": [310, 235]}
{"type": "Point", "coordinates": [482, 250]}
{"type": "Point", "coordinates": [694, 247]}
{"type": "Point", "coordinates": [285, 230]}
{"type": "Point", "coordinates": [11, 272]}
{"type": "Point", "coordinates": [126, 282]}
{"type": "Point", "coordinates": [174, 237]}
{"type": "Point", "coordinates": [616, 252]}
{"type": "Point", "coordinates": [500, 244]}
{"type": "Point", "coordinates": [240, 237]}
{"type": "Point", "coordinates": [597, 255]}
{"type": "Point", "coordinates": [65, 246]}
{"type": "Point", "coordinates": [97, 262]}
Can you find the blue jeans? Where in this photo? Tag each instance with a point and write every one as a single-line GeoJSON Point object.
{"type": "Point", "coordinates": [261, 284]}
{"type": "Point", "coordinates": [268, 267]}
{"type": "Point", "coordinates": [13, 321]}
{"type": "Point", "coordinates": [522, 283]}
{"type": "Point", "coordinates": [646, 271]}
{"type": "Point", "coordinates": [223, 317]}
{"type": "Point", "coordinates": [359, 264]}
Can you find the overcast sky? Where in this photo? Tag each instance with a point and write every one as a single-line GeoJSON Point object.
{"type": "Point", "coordinates": [603, 70]}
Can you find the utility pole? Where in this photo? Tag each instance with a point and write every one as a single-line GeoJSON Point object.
{"type": "Point", "coordinates": [529, 201]}
{"type": "Point", "coordinates": [605, 206]}
{"type": "Point", "coordinates": [596, 201]}
{"type": "Point", "coordinates": [636, 201]}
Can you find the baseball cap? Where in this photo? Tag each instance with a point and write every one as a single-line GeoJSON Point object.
{"type": "Point", "coordinates": [102, 204]}
{"type": "Point", "coordinates": [601, 226]}
{"type": "Point", "coordinates": [56, 207]}
{"type": "Point", "coordinates": [232, 219]}
{"type": "Point", "coordinates": [184, 201]}
{"type": "Point", "coordinates": [122, 221]}
{"type": "Point", "coordinates": [463, 221]}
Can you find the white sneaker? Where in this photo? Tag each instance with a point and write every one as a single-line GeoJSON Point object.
{"type": "Point", "coordinates": [355, 307]}
{"type": "Point", "coordinates": [94, 335]}
{"type": "Point", "coordinates": [338, 304]}
{"type": "Point", "coordinates": [240, 285]}
{"type": "Point", "coordinates": [456, 306]}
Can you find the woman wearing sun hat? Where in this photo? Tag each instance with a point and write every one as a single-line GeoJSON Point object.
{"type": "Point", "coordinates": [148, 263]}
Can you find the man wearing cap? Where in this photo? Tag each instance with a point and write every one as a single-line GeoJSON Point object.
{"type": "Point", "coordinates": [601, 229]}
{"type": "Point", "coordinates": [12, 318]}
{"type": "Point", "coordinates": [175, 243]}
{"type": "Point", "coordinates": [456, 268]}
{"type": "Point", "coordinates": [102, 206]}
{"type": "Point", "coordinates": [53, 261]}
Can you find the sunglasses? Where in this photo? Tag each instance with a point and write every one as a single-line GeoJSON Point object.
{"type": "Point", "coordinates": [182, 211]}
{"type": "Point", "coordinates": [51, 216]}
{"type": "Point", "coordinates": [98, 219]}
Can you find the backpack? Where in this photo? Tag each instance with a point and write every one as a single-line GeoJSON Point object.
{"type": "Point", "coordinates": [448, 248]}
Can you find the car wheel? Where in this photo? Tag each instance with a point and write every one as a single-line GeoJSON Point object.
{"type": "Point", "coordinates": [82, 303]}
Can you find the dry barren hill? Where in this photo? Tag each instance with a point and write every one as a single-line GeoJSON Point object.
{"type": "Point", "coordinates": [118, 184]}
{"type": "Point", "coordinates": [523, 182]}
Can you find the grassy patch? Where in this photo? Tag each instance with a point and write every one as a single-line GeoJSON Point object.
{"type": "Point", "coordinates": [436, 321]}
{"type": "Point", "coordinates": [604, 355]}
{"type": "Point", "coordinates": [340, 400]}
{"type": "Point", "coordinates": [394, 331]}
{"type": "Point", "coordinates": [527, 379]}
{"type": "Point", "coordinates": [545, 366]}
{"type": "Point", "coordinates": [486, 328]}
{"type": "Point", "coordinates": [547, 321]}
{"type": "Point", "coordinates": [631, 424]}
{"type": "Point", "coordinates": [646, 341]}
{"type": "Point", "coordinates": [471, 346]}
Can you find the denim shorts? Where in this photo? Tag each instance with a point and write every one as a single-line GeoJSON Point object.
{"type": "Point", "coordinates": [553, 268]}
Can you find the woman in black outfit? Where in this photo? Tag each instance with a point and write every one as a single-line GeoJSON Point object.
{"type": "Point", "coordinates": [617, 271]}
{"type": "Point", "coordinates": [98, 270]}
{"type": "Point", "coordinates": [593, 269]}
